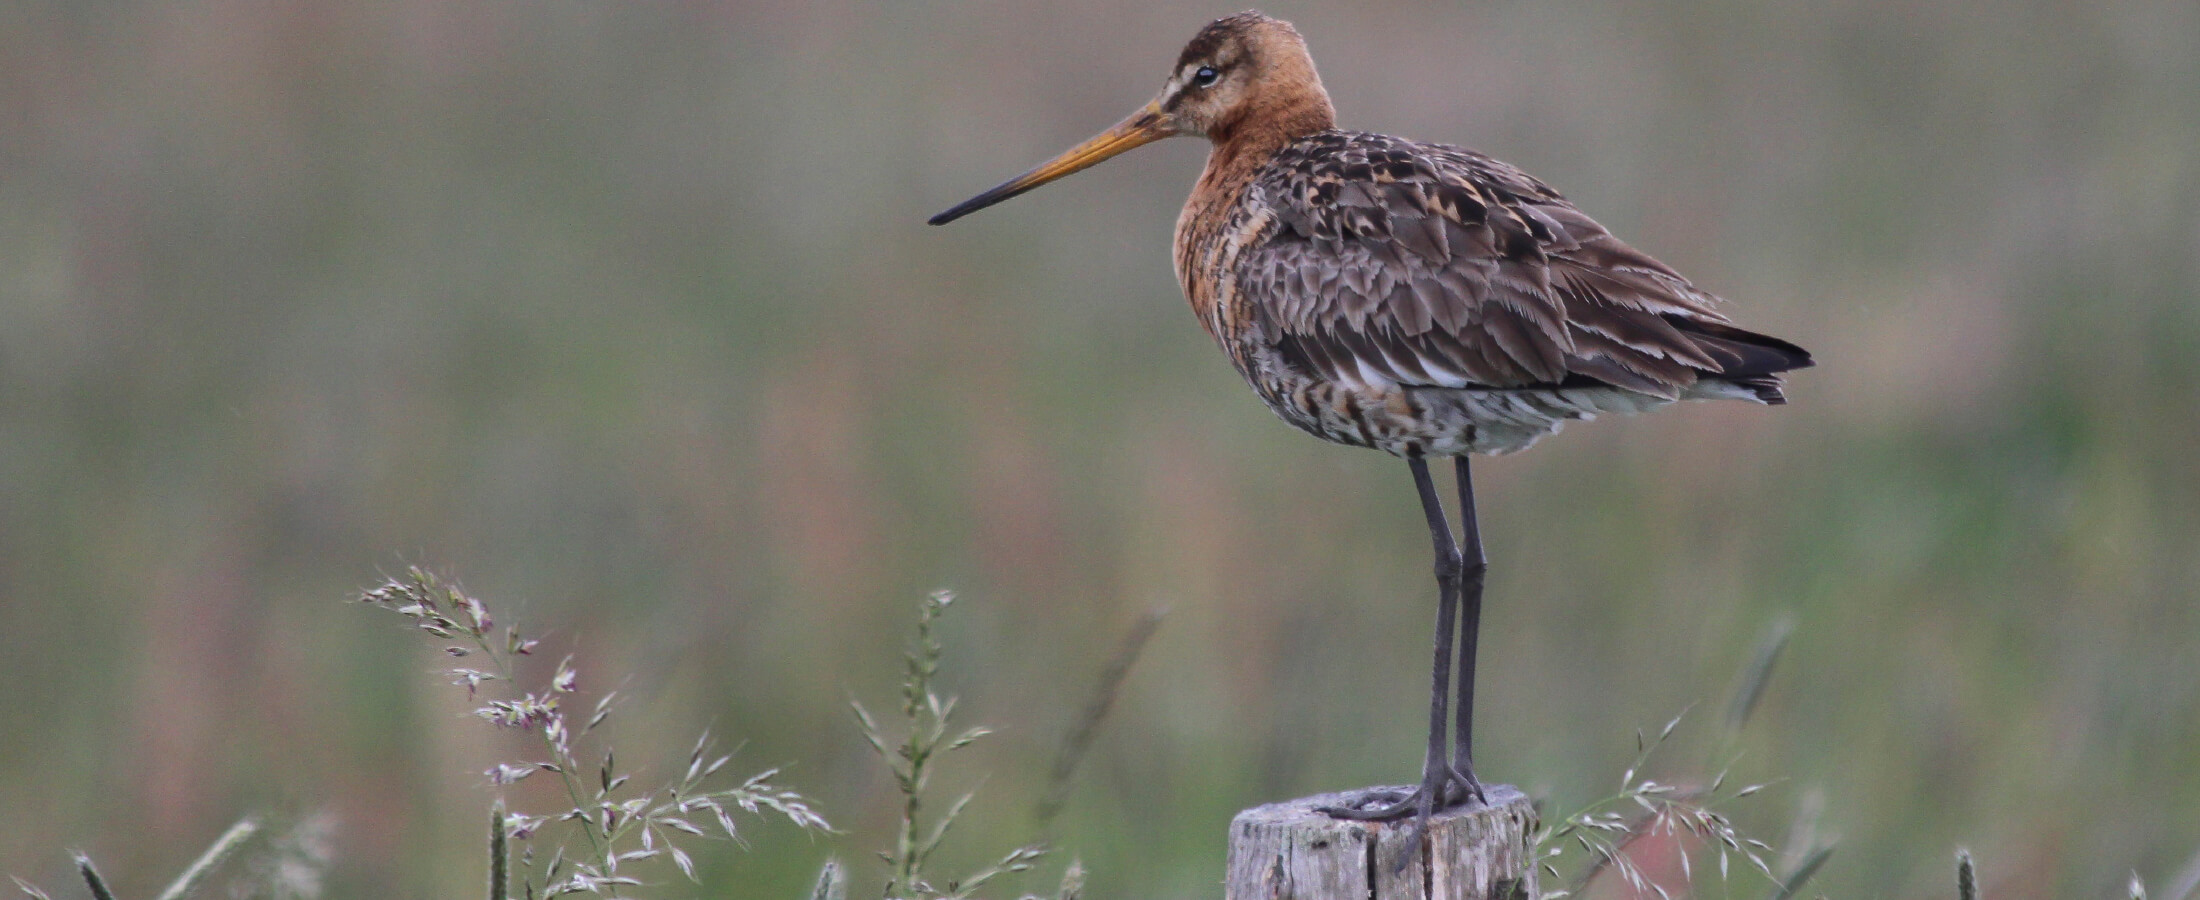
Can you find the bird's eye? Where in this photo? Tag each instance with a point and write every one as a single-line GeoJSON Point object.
{"type": "Point", "coordinates": [1205, 76]}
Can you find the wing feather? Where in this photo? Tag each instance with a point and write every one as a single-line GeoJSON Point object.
{"type": "Point", "coordinates": [1423, 264]}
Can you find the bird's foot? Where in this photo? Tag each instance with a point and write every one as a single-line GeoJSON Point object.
{"type": "Point", "coordinates": [1441, 788]}
{"type": "Point", "coordinates": [1463, 771]}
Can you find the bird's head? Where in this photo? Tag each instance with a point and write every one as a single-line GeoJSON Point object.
{"type": "Point", "coordinates": [1246, 70]}
{"type": "Point", "coordinates": [1242, 75]}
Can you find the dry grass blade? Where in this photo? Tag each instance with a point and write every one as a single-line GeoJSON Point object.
{"type": "Point", "coordinates": [85, 868]}
{"type": "Point", "coordinates": [1966, 877]}
{"type": "Point", "coordinates": [207, 862]}
{"type": "Point", "coordinates": [29, 889]}
{"type": "Point", "coordinates": [1096, 709]}
{"type": "Point", "coordinates": [1750, 687]}
{"type": "Point", "coordinates": [1802, 875]}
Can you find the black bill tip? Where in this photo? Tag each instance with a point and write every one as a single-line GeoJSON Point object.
{"type": "Point", "coordinates": [981, 201]}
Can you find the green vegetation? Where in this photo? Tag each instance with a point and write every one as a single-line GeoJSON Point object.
{"type": "Point", "coordinates": [627, 311]}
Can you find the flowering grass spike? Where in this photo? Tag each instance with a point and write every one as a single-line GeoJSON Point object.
{"type": "Point", "coordinates": [594, 845]}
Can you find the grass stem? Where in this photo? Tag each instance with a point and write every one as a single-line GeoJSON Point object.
{"type": "Point", "coordinates": [221, 850]}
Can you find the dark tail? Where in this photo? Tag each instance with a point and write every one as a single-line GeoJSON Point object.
{"type": "Point", "coordinates": [1746, 359]}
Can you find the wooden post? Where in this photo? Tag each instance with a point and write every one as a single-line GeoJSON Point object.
{"type": "Point", "coordinates": [1292, 851]}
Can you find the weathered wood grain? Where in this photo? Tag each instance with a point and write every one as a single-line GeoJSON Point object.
{"type": "Point", "coordinates": [1293, 851]}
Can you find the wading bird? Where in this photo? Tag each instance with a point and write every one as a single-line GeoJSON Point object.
{"type": "Point", "coordinates": [1419, 299]}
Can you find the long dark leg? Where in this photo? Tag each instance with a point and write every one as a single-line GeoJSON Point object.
{"type": "Point", "coordinates": [1473, 569]}
{"type": "Point", "coordinates": [1436, 774]}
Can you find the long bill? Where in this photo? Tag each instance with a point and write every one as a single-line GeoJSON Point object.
{"type": "Point", "coordinates": [1143, 127]}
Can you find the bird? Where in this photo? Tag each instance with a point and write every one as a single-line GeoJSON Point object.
{"type": "Point", "coordinates": [1420, 299]}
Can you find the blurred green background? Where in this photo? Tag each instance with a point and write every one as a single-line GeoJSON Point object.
{"type": "Point", "coordinates": [626, 314]}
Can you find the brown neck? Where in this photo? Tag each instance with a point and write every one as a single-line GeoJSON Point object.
{"type": "Point", "coordinates": [1264, 133]}
{"type": "Point", "coordinates": [1241, 147]}
{"type": "Point", "coordinates": [1236, 157]}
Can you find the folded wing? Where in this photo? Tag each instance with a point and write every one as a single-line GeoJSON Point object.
{"type": "Point", "coordinates": [1424, 265]}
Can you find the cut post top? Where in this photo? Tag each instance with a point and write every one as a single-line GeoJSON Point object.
{"type": "Point", "coordinates": [1294, 851]}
